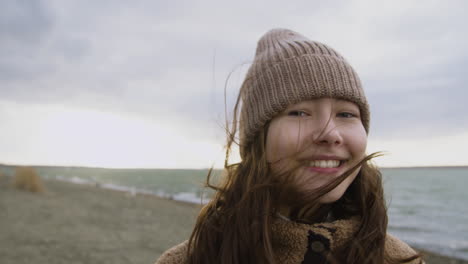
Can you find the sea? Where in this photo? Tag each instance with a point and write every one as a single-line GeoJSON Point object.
{"type": "Point", "coordinates": [427, 206]}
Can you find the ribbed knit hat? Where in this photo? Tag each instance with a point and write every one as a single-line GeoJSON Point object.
{"type": "Point", "coordinates": [289, 68]}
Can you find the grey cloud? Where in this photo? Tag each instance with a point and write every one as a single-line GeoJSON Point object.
{"type": "Point", "coordinates": [100, 59]}
{"type": "Point", "coordinates": [429, 102]}
{"type": "Point", "coordinates": [26, 21]}
{"type": "Point", "coordinates": [418, 88]}
{"type": "Point", "coordinates": [24, 26]}
{"type": "Point", "coordinates": [30, 52]}
{"type": "Point", "coordinates": [155, 59]}
{"type": "Point", "coordinates": [426, 111]}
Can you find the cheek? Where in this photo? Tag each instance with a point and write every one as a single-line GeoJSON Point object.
{"type": "Point", "coordinates": [357, 142]}
{"type": "Point", "coordinates": [282, 141]}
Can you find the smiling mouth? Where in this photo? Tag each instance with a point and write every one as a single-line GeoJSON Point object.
{"type": "Point", "coordinates": [326, 163]}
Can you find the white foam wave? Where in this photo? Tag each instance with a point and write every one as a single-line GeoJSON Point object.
{"type": "Point", "coordinates": [182, 196]}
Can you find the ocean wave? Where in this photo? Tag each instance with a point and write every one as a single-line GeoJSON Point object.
{"type": "Point", "coordinates": [189, 197]}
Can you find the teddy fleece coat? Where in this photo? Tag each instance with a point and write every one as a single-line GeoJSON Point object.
{"type": "Point", "coordinates": [297, 243]}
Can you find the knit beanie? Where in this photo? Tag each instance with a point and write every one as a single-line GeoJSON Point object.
{"type": "Point", "coordinates": [289, 68]}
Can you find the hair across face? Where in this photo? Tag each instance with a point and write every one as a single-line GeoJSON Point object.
{"type": "Point", "coordinates": [318, 140]}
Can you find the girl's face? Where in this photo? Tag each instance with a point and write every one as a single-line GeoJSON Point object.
{"type": "Point", "coordinates": [324, 137]}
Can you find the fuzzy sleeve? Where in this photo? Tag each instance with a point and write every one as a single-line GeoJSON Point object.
{"type": "Point", "coordinates": [175, 255]}
{"type": "Point", "coordinates": [399, 249]}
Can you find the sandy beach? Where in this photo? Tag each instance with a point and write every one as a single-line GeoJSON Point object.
{"type": "Point", "coordinates": [72, 223]}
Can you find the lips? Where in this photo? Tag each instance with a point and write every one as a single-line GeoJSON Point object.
{"type": "Point", "coordinates": [325, 166]}
{"type": "Point", "coordinates": [325, 163]}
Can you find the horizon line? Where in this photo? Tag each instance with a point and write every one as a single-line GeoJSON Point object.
{"type": "Point", "coordinates": [207, 168]}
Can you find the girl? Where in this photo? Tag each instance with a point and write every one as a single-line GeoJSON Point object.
{"type": "Point", "coordinates": [304, 191]}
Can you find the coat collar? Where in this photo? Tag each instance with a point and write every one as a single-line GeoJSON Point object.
{"type": "Point", "coordinates": [297, 243]}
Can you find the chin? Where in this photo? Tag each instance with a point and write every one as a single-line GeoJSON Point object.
{"type": "Point", "coordinates": [335, 194]}
{"type": "Point", "coordinates": [331, 197]}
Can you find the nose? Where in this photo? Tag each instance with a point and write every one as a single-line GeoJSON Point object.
{"type": "Point", "coordinates": [328, 135]}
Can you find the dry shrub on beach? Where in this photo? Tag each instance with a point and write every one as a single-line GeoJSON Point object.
{"type": "Point", "coordinates": [26, 178]}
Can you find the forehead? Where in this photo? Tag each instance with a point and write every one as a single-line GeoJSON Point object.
{"type": "Point", "coordinates": [324, 102]}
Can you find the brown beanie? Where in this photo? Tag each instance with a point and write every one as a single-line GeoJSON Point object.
{"type": "Point", "coordinates": [289, 68]}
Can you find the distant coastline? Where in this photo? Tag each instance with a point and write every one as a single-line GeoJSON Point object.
{"type": "Point", "coordinates": [106, 168]}
{"type": "Point", "coordinates": [428, 167]}
{"type": "Point", "coordinates": [98, 168]}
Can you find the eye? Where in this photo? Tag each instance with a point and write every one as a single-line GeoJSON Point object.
{"type": "Point", "coordinates": [346, 115]}
{"type": "Point", "coordinates": [298, 113]}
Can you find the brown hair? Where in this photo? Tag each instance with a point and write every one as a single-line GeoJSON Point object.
{"type": "Point", "coordinates": [235, 226]}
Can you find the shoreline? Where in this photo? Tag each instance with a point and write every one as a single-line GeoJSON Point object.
{"type": "Point", "coordinates": [78, 223]}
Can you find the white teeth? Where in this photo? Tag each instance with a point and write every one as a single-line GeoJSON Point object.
{"type": "Point", "coordinates": [325, 163]}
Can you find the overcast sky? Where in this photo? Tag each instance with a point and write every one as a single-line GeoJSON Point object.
{"type": "Point", "coordinates": [141, 83]}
